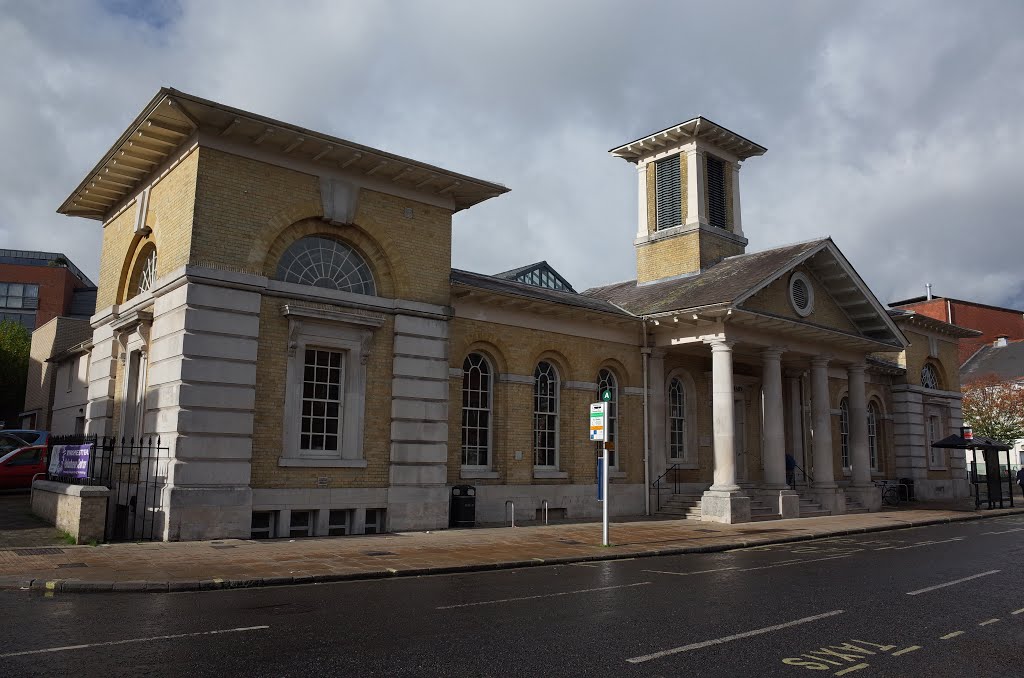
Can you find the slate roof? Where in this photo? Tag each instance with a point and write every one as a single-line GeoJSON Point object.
{"type": "Point", "coordinates": [721, 284]}
{"type": "Point", "coordinates": [1005, 362]}
{"type": "Point", "coordinates": [493, 283]}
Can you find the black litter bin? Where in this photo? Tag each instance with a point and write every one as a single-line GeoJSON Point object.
{"type": "Point", "coordinates": [907, 489]}
{"type": "Point", "coordinates": [462, 512]}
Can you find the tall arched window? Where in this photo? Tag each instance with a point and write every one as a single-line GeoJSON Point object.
{"type": "Point", "coordinates": [545, 415]}
{"type": "Point", "coordinates": [676, 420]}
{"type": "Point", "coordinates": [147, 273]}
{"type": "Point", "coordinates": [844, 431]}
{"type": "Point", "coordinates": [477, 387]}
{"type": "Point", "coordinates": [930, 377]}
{"type": "Point", "coordinates": [324, 262]}
{"type": "Point", "coordinates": [873, 435]}
{"type": "Point", "coordinates": [606, 382]}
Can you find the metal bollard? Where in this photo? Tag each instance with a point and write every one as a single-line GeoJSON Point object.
{"type": "Point", "coordinates": [513, 511]}
{"type": "Point", "coordinates": [544, 504]}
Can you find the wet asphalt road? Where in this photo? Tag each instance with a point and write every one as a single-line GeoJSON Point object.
{"type": "Point", "coordinates": [853, 606]}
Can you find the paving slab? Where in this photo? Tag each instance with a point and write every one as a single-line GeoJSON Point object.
{"type": "Point", "coordinates": [196, 566]}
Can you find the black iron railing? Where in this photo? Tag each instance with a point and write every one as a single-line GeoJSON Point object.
{"type": "Point", "coordinates": [798, 475]}
{"type": "Point", "coordinates": [674, 480]}
{"type": "Point", "coordinates": [135, 471]}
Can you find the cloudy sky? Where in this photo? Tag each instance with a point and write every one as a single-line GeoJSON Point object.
{"type": "Point", "coordinates": [894, 127]}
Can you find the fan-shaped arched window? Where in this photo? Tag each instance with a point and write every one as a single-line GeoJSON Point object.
{"type": "Point", "coordinates": [676, 419]}
{"type": "Point", "coordinates": [545, 415]}
{"type": "Point", "coordinates": [930, 376]}
{"type": "Point", "coordinates": [606, 382]}
{"type": "Point", "coordinates": [476, 411]}
{"type": "Point", "coordinates": [324, 262]}
{"type": "Point", "coordinates": [844, 431]}
{"type": "Point", "coordinates": [147, 273]}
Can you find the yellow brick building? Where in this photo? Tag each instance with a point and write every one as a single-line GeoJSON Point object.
{"type": "Point", "coordinates": [279, 306]}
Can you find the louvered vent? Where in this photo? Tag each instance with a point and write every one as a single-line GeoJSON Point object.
{"type": "Point", "coordinates": [716, 193]}
{"type": "Point", "coordinates": [669, 193]}
{"type": "Point", "coordinates": [800, 294]}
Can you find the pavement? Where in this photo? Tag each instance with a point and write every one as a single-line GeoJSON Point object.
{"type": "Point", "coordinates": [20, 527]}
{"type": "Point", "coordinates": [239, 563]}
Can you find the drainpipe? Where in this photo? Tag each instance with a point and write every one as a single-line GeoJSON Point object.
{"type": "Point", "coordinates": [645, 353]}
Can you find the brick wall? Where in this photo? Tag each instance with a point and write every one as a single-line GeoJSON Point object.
{"type": "Point", "coordinates": [248, 212]}
{"type": "Point", "coordinates": [169, 215]}
{"type": "Point", "coordinates": [775, 299]}
{"type": "Point", "coordinates": [56, 285]}
{"type": "Point", "coordinates": [516, 351]}
{"type": "Point", "coordinates": [271, 367]}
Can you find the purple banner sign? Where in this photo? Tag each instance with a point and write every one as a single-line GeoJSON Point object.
{"type": "Point", "coordinates": [70, 461]}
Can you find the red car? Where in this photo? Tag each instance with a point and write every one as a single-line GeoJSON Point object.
{"type": "Point", "coordinates": [19, 463]}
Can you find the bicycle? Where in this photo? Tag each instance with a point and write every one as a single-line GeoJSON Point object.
{"type": "Point", "coordinates": [890, 492]}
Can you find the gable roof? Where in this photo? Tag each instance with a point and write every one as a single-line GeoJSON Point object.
{"type": "Point", "coordinates": [172, 118]}
{"type": "Point", "coordinates": [492, 283]}
{"type": "Point", "coordinates": [722, 284]}
{"type": "Point", "coordinates": [541, 269]}
{"type": "Point", "coordinates": [1005, 362]}
{"type": "Point", "coordinates": [735, 279]}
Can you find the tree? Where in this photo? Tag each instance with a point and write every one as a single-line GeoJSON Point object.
{"type": "Point", "coordinates": [15, 342]}
{"type": "Point", "coordinates": [995, 408]}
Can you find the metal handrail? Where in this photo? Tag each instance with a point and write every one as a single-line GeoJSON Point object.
{"type": "Point", "coordinates": [807, 476]}
{"type": "Point", "coordinates": [513, 511]}
{"type": "Point", "coordinates": [656, 485]}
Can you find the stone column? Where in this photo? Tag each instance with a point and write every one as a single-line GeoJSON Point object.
{"type": "Point", "coordinates": [737, 221]}
{"type": "Point", "coordinates": [859, 455]}
{"type": "Point", "coordinates": [821, 419]}
{"type": "Point", "coordinates": [723, 415]}
{"type": "Point", "coordinates": [796, 416]}
{"type": "Point", "coordinates": [774, 432]}
{"type": "Point", "coordinates": [775, 436]}
{"type": "Point", "coordinates": [723, 502]}
{"type": "Point", "coordinates": [696, 206]}
{"type": "Point", "coordinates": [641, 213]}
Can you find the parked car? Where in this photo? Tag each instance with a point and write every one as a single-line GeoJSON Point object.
{"type": "Point", "coordinates": [19, 466]}
{"type": "Point", "coordinates": [30, 437]}
{"type": "Point", "coordinates": [9, 442]}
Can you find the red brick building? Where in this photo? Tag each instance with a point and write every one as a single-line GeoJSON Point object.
{"type": "Point", "coordinates": [992, 321]}
{"type": "Point", "coordinates": [36, 287]}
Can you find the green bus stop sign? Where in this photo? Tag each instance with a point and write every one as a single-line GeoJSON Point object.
{"type": "Point", "coordinates": [606, 395]}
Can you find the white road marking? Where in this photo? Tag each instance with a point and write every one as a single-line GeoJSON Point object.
{"type": "Point", "coordinates": [794, 562]}
{"type": "Point", "coordinates": [542, 595]}
{"type": "Point", "coordinates": [1020, 611]}
{"type": "Point", "coordinates": [905, 650]}
{"type": "Point", "coordinates": [132, 640]}
{"type": "Point", "coordinates": [951, 583]}
{"type": "Point", "coordinates": [687, 574]}
{"type": "Point", "coordinates": [952, 635]}
{"type": "Point", "coordinates": [851, 669]}
{"type": "Point", "coordinates": [727, 639]}
{"type": "Point", "coordinates": [990, 621]}
{"type": "Point", "coordinates": [1018, 529]}
{"type": "Point", "coordinates": [926, 543]}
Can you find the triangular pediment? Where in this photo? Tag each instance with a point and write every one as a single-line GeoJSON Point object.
{"type": "Point", "coordinates": [821, 288]}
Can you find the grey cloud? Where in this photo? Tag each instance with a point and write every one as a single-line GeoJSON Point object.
{"type": "Point", "coordinates": [891, 126]}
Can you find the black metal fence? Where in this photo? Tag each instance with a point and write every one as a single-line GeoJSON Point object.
{"type": "Point", "coordinates": [135, 471]}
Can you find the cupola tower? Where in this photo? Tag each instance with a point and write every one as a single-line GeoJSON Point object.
{"type": "Point", "coordinates": [688, 216]}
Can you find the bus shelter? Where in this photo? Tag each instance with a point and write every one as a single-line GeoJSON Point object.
{"type": "Point", "coordinates": [991, 481]}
